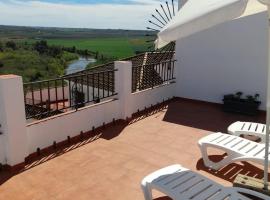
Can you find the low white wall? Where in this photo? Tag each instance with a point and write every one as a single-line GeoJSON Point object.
{"type": "Point", "coordinates": [43, 133]}
{"type": "Point", "coordinates": [145, 98]}
{"type": "Point", "coordinates": [224, 59]}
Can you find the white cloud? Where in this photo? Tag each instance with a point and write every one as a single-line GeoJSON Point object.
{"type": "Point", "coordinates": [37, 13]}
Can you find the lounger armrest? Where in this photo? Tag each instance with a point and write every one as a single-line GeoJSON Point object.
{"type": "Point", "coordinates": [234, 127]}
{"type": "Point", "coordinates": [251, 192]}
{"type": "Point", "coordinates": [210, 137]}
{"type": "Point", "coordinates": [167, 170]}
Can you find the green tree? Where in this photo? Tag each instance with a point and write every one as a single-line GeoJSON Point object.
{"type": "Point", "coordinates": [73, 49]}
{"type": "Point", "coordinates": [1, 64]}
{"type": "Point", "coordinates": [86, 52]}
{"type": "Point", "coordinates": [35, 77]}
{"type": "Point", "coordinates": [11, 44]}
{"type": "Point", "coordinates": [1, 47]}
{"type": "Point", "coordinates": [55, 51]}
{"type": "Point", "coordinates": [41, 47]}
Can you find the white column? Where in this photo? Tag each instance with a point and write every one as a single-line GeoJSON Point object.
{"type": "Point", "coordinates": [12, 119]}
{"type": "Point", "coordinates": [123, 79]}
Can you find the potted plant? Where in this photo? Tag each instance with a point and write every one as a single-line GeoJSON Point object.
{"type": "Point", "coordinates": [236, 103]}
{"type": "Point", "coordinates": [96, 99]}
{"type": "Point", "coordinates": [79, 99]}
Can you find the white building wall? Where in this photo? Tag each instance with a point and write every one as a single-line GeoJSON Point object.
{"type": "Point", "coordinates": [224, 59]}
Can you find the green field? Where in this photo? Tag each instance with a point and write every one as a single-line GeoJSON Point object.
{"type": "Point", "coordinates": [108, 42]}
{"type": "Point", "coordinates": [112, 47]}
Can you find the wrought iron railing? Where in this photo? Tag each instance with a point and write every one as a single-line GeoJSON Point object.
{"type": "Point", "coordinates": [153, 74]}
{"type": "Point", "coordinates": [50, 97]}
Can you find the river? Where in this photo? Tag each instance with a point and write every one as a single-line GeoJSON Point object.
{"type": "Point", "coordinates": [79, 65]}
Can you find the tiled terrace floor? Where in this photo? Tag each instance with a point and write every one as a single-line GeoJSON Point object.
{"type": "Point", "coordinates": [111, 167]}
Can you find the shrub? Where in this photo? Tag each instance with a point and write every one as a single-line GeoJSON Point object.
{"type": "Point", "coordinates": [69, 56]}
{"type": "Point", "coordinates": [41, 47]}
{"type": "Point", "coordinates": [1, 64]}
{"type": "Point", "coordinates": [11, 44]}
{"type": "Point", "coordinates": [1, 47]}
{"type": "Point", "coordinates": [55, 51]}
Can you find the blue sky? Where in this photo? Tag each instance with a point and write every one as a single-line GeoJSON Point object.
{"type": "Point", "coordinates": [124, 14]}
{"type": "Point", "coordinates": [90, 1]}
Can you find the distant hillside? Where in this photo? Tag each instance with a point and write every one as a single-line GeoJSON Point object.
{"type": "Point", "coordinates": [20, 32]}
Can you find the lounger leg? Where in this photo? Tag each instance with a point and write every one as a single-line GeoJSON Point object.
{"type": "Point", "coordinates": [211, 164]}
{"type": "Point", "coordinates": [147, 191]}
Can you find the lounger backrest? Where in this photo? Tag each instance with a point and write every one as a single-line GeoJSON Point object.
{"type": "Point", "coordinates": [246, 128]}
{"type": "Point", "coordinates": [186, 184]}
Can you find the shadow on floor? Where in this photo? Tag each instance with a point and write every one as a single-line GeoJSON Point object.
{"type": "Point", "coordinates": [203, 115]}
{"type": "Point", "coordinates": [230, 172]}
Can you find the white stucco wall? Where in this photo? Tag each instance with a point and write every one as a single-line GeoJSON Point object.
{"type": "Point", "coordinates": [42, 134]}
{"type": "Point", "coordinates": [145, 98]}
{"type": "Point", "coordinates": [224, 59]}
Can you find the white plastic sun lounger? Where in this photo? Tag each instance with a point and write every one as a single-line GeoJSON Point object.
{"type": "Point", "coordinates": [183, 184]}
{"type": "Point", "coordinates": [248, 128]}
{"type": "Point", "coordinates": [237, 149]}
